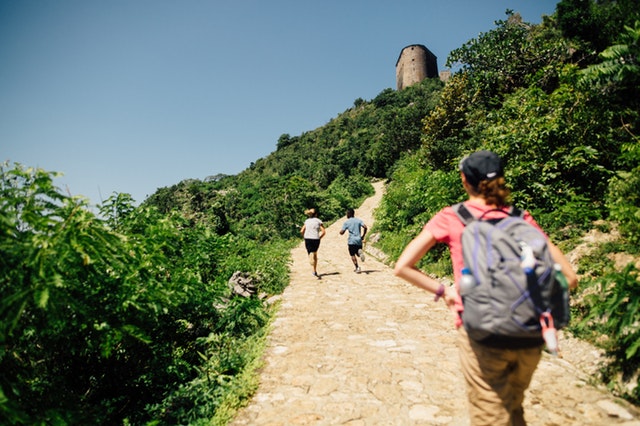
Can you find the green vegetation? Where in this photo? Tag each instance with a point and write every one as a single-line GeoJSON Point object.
{"type": "Point", "coordinates": [127, 317]}
{"type": "Point", "coordinates": [123, 319]}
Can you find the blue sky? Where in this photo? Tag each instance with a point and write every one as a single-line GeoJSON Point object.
{"type": "Point", "coordinates": [134, 95]}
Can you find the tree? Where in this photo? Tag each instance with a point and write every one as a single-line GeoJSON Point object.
{"type": "Point", "coordinates": [619, 70]}
{"type": "Point", "coordinates": [92, 320]}
{"type": "Point", "coordinates": [594, 25]}
{"type": "Point", "coordinates": [504, 59]}
{"type": "Point", "coordinates": [285, 140]}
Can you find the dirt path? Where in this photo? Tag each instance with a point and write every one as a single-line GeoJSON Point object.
{"type": "Point", "coordinates": [370, 349]}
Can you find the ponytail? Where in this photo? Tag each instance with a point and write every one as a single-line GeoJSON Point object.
{"type": "Point", "coordinates": [494, 191]}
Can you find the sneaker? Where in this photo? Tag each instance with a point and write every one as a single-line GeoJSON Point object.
{"type": "Point", "coordinates": [361, 254]}
{"type": "Point", "coordinates": [357, 271]}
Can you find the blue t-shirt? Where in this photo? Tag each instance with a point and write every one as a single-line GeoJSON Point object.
{"type": "Point", "coordinates": [353, 225]}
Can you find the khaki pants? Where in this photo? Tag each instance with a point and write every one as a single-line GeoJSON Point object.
{"type": "Point", "coordinates": [496, 380]}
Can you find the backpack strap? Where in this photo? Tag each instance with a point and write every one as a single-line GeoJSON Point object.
{"type": "Point", "coordinates": [463, 213]}
{"type": "Point", "coordinates": [466, 217]}
{"type": "Point", "coordinates": [516, 212]}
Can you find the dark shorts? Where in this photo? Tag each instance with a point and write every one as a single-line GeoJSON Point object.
{"type": "Point", "coordinates": [311, 245]}
{"type": "Point", "coordinates": [353, 249]}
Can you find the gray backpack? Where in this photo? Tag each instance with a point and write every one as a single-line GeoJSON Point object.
{"type": "Point", "coordinates": [505, 303]}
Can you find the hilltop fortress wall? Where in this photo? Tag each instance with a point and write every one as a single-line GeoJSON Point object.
{"type": "Point", "coordinates": [414, 64]}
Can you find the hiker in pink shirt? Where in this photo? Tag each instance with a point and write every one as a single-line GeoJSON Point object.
{"type": "Point", "coordinates": [496, 376]}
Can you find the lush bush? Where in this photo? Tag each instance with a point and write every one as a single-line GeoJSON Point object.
{"type": "Point", "coordinates": [74, 318]}
{"type": "Point", "coordinates": [611, 308]}
{"type": "Point", "coordinates": [415, 193]}
{"type": "Point", "coordinates": [624, 203]}
{"type": "Point", "coordinates": [104, 317]}
{"type": "Point", "coordinates": [225, 355]}
{"type": "Point", "coordinates": [513, 55]}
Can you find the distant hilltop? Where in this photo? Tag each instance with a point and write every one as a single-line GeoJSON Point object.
{"type": "Point", "coordinates": [416, 63]}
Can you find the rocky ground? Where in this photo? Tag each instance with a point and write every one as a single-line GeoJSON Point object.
{"type": "Point", "coordinates": [370, 349]}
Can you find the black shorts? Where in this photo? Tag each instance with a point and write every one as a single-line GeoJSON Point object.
{"type": "Point", "coordinates": [354, 248]}
{"type": "Point", "coordinates": [311, 245]}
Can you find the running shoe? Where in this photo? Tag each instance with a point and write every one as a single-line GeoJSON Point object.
{"type": "Point", "coordinates": [361, 254]}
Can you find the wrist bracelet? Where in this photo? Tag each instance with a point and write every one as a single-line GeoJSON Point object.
{"type": "Point", "coordinates": [439, 293]}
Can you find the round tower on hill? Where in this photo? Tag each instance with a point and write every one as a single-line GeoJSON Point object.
{"type": "Point", "coordinates": [414, 64]}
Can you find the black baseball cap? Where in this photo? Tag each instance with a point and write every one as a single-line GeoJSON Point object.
{"type": "Point", "coordinates": [481, 165]}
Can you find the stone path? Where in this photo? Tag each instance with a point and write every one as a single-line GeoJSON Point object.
{"type": "Point", "coordinates": [370, 349]}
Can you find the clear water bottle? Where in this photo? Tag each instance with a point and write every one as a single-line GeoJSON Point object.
{"type": "Point", "coordinates": [527, 258]}
{"type": "Point", "coordinates": [467, 282]}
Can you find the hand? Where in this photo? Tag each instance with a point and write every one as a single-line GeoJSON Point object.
{"type": "Point", "coordinates": [450, 296]}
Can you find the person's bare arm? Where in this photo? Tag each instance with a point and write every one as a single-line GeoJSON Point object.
{"type": "Point", "coordinates": [406, 269]}
{"type": "Point", "coordinates": [567, 269]}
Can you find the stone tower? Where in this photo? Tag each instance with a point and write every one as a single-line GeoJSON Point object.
{"type": "Point", "coordinates": [414, 64]}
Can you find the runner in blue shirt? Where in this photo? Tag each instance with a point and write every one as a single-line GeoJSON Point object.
{"type": "Point", "coordinates": [357, 230]}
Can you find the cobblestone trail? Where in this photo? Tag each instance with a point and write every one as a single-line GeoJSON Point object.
{"type": "Point", "coordinates": [370, 349]}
